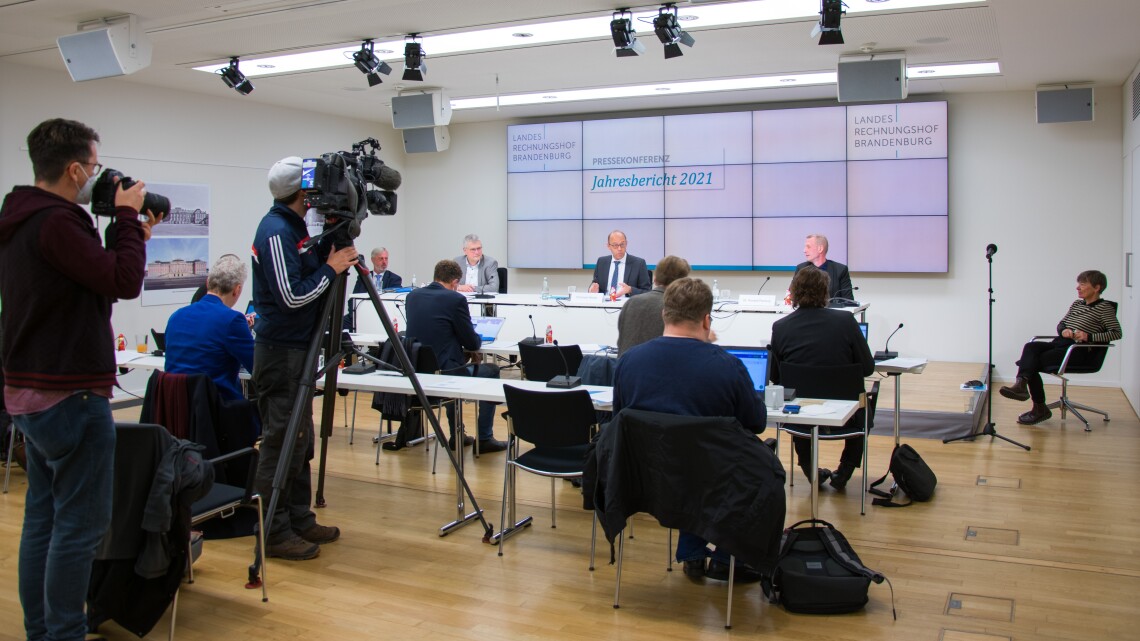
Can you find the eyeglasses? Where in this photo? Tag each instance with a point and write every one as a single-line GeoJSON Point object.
{"type": "Point", "coordinates": [618, 245]}
{"type": "Point", "coordinates": [98, 167]}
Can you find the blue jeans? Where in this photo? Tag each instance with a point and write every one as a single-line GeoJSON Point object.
{"type": "Point", "coordinates": [71, 452]}
{"type": "Point", "coordinates": [486, 409]}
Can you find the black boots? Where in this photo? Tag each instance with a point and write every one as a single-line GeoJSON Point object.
{"type": "Point", "coordinates": [1019, 391]}
{"type": "Point", "coordinates": [1034, 416]}
{"type": "Point", "coordinates": [841, 475]}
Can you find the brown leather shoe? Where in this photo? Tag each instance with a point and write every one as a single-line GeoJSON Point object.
{"type": "Point", "coordinates": [1019, 391]}
{"type": "Point", "coordinates": [320, 534]}
{"type": "Point", "coordinates": [1034, 416]}
{"type": "Point", "coordinates": [292, 548]}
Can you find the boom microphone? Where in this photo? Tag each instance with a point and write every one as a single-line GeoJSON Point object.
{"type": "Point", "coordinates": [533, 339]}
{"type": "Point", "coordinates": [567, 381]}
{"type": "Point", "coordinates": [991, 249]}
{"type": "Point", "coordinates": [764, 283]}
{"type": "Point", "coordinates": [388, 179]}
{"type": "Point", "coordinates": [886, 354]}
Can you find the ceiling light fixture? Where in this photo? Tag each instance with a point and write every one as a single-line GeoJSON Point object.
{"type": "Point", "coordinates": [235, 79]}
{"type": "Point", "coordinates": [626, 43]}
{"type": "Point", "coordinates": [830, 14]}
{"type": "Point", "coordinates": [414, 65]}
{"type": "Point", "coordinates": [366, 61]}
{"type": "Point", "coordinates": [669, 32]}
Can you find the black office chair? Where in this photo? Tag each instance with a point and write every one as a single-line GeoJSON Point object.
{"type": "Point", "coordinates": [502, 280]}
{"type": "Point", "coordinates": [837, 382]}
{"type": "Point", "coordinates": [1080, 358]}
{"type": "Point", "coordinates": [559, 425]}
{"type": "Point", "coordinates": [543, 362]}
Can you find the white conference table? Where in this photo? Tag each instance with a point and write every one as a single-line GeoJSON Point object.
{"type": "Point", "coordinates": [895, 368]}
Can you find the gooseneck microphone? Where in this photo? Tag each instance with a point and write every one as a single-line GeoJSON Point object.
{"type": "Point", "coordinates": [886, 354]}
{"type": "Point", "coordinates": [764, 283]}
{"type": "Point", "coordinates": [991, 249]}
{"type": "Point", "coordinates": [533, 339]}
{"type": "Point", "coordinates": [567, 381]}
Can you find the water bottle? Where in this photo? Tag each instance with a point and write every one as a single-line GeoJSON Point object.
{"type": "Point", "coordinates": [549, 335]}
{"type": "Point", "coordinates": [716, 290]}
{"type": "Point", "coordinates": [414, 281]}
{"type": "Point", "coordinates": [545, 288]}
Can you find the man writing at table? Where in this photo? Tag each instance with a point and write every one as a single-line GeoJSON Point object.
{"type": "Point", "coordinates": [439, 318]}
{"type": "Point", "coordinates": [621, 273]}
{"type": "Point", "coordinates": [716, 384]}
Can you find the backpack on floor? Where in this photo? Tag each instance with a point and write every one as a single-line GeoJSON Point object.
{"type": "Point", "coordinates": [817, 572]}
{"type": "Point", "coordinates": [912, 475]}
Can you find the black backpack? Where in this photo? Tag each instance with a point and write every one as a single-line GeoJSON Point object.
{"type": "Point", "coordinates": [817, 572]}
{"type": "Point", "coordinates": [911, 473]}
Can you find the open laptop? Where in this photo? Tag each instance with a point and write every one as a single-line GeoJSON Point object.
{"type": "Point", "coordinates": [755, 360]}
{"type": "Point", "coordinates": [159, 340]}
{"type": "Point", "coordinates": [488, 327]}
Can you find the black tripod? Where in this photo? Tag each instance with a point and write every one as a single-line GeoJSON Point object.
{"type": "Point", "coordinates": [331, 320]}
{"type": "Point", "coordinates": [989, 428]}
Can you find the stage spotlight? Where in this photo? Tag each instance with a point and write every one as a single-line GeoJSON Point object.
{"type": "Point", "coordinates": [414, 65]}
{"type": "Point", "coordinates": [626, 43]}
{"type": "Point", "coordinates": [369, 65]}
{"type": "Point", "coordinates": [830, 14]}
{"type": "Point", "coordinates": [669, 32]}
{"type": "Point", "coordinates": [235, 79]}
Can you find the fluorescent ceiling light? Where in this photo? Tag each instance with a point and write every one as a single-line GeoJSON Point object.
{"type": "Point", "coordinates": [594, 28]}
{"type": "Point", "coordinates": [707, 86]}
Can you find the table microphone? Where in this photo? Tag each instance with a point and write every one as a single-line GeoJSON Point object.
{"type": "Point", "coordinates": [567, 381]}
{"type": "Point", "coordinates": [886, 354]}
{"type": "Point", "coordinates": [533, 339]}
{"type": "Point", "coordinates": [763, 284]}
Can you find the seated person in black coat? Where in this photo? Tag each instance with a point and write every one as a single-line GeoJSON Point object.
{"type": "Point", "coordinates": [815, 335]}
{"type": "Point", "coordinates": [715, 384]}
{"type": "Point", "coordinates": [839, 290]}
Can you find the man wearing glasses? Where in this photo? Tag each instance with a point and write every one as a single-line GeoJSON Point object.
{"type": "Point", "coordinates": [620, 274]}
{"type": "Point", "coordinates": [480, 273]}
{"type": "Point", "coordinates": [58, 284]}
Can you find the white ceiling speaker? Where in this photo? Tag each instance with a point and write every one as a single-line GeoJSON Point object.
{"type": "Point", "coordinates": [426, 140]}
{"type": "Point", "coordinates": [421, 109]}
{"type": "Point", "coordinates": [1064, 103]}
{"type": "Point", "coordinates": [117, 48]}
{"type": "Point", "coordinates": [872, 78]}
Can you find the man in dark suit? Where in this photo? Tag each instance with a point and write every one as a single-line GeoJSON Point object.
{"type": "Point", "coordinates": [382, 277]}
{"type": "Point", "coordinates": [438, 317]}
{"type": "Point", "coordinates": [839, 290]}
{"type": "Point", "coordinates": [814, 335]}
{"type": "Point", "coordinates": [625, 274]}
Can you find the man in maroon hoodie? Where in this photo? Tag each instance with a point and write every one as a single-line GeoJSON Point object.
{"type": "Point", "coordinates": [58, 283]}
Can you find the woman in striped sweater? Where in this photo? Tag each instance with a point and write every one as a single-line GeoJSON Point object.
{"type": "Point", "coordinates": [1090, 319]}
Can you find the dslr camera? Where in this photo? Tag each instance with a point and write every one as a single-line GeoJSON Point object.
{"type": "Point", "coordinates": [349, 185]}
{"type": "Point", "coordinates": [103, 196]}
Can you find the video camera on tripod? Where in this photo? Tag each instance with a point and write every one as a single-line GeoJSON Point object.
{"type": "Point", "coordinates": [349, 185]}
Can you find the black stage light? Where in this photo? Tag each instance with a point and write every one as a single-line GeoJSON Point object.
{"type": "Point", "coordinates": [830, 14]}
{"type": "Point", "coordinates": [626, 43]}
{"type": "Point", "coordinates": [414, 65]}
{"type": "Point", "coordinates": [669, 32]}
{"type": "Point", "coordinates": [235, 79]}
{"type": "Point", "coordinates": [369, 65]}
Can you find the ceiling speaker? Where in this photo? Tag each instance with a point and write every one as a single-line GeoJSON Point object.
{"type": "Point", "coordinates": [1064, 104]}
{"type": "Point", "coordinates": [421, 109]}
{"type": "Point", "coordinates": [426, 140]}
{"type": "Point", "coordinates": [115, 50]}
{"type": "Point", "coordinates": [877, 78]}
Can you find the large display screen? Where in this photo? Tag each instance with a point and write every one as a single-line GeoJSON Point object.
{"type": "Point", "coordinates": [735, 191]}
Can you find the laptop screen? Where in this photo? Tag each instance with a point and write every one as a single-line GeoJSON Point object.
{"type": "Point", "coordinates": [487, 327]}
{"type": "Point", "coordinates": [863, 328]}
{"type": "Point", "coordinates": [755, 360]}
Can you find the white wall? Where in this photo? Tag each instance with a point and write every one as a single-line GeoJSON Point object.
{"type": "Point", "coordinates": [1129, 351]}
{"type": "Point", "coordinates": [172, 137]}
{"type": "Point", "coordinates": [1048, 195]}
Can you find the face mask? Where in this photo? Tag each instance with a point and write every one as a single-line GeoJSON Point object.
{"type": "Point", "coordinates": [84, 195]}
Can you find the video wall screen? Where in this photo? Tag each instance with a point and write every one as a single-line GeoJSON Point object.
{"type": "Point", "coordinates": [735, 191]}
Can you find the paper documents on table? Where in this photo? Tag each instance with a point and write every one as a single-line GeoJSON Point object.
{"type": "Point", "coordinates": [454, 382]}
{"type": "Point", "coordinates": [817, 410]}
{"type": "Point", "coordinates": [902, 363]}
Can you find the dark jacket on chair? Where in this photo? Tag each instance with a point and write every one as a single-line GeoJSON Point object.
{"type": "Point", "coordinates": [708, 476]}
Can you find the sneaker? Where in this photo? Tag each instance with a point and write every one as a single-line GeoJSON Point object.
{"type": "Point", "coordinates": [694, 568]}
{"type": "Point", "coordinates": [491, 445]}
{"type": "Point", "coordinates": [292, 548]}
{"type": "Point", "coordinates": [718, 571]}
{"type": "Point", "coordinates": [320, 534]}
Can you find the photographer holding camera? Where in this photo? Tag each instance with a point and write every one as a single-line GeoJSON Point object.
{"type": "Point", "coordinates": [58, 283]}
{"type": "Point", "coordinates": [288, 285]}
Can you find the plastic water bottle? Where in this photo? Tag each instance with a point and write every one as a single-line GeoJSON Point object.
{"type": "Point", "coordinates": [545, 288]}
{"type": "Point", "coordinates": [414, 281]}
{"type": "Point", "coordinates": [549, 335]}
{"type": "Point", "coordinates": [716, 291]}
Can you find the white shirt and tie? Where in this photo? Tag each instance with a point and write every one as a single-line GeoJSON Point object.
{"type": "Point", "coordinates": [379, 278]}
{"type": "Point", "coordinates": [473, 276]}
{"type": "Point", "coordinates": [617, 275]}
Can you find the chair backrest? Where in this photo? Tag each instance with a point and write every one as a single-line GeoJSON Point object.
{"type": "Point", "coordinates": [838, 382]}
{"type": "Point", "coordinates": [542, 362]}
{"type": "Point", "coordinates": [550, 419]}
{"type": "Point", "coordinates": [502, 280]}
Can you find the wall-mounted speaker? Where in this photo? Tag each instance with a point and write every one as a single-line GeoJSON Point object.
{"type": "Point", "coordinates": [1064, 104]}
{"type": "Point", "coordinates": [115, 50]}
{"type": "Point", "coordinates": [877, 78]}
{"type": "Point", "coordinates": [426, 140]}
{"type": "Point", "coordinates": [421, 109]}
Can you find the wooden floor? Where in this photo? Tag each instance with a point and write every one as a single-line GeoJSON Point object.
{"type": "Point", "coordinates": [1015, 545]}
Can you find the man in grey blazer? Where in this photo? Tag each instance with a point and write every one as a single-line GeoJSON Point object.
{"type": "Point", "coordinates": [480, 273]}
{"type": "Point", "coordinates": [622, 272]}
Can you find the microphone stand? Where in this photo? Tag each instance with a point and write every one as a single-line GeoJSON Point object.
{"type": "Point", "coordinates": [989, 429]}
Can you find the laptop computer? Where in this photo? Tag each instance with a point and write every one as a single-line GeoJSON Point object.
{"type": "Point", "coordinates": [488, 327]}
{"type": "Point", "coordinates": [755, 360]}
{"type": "Point", "coordinates": [863, 327]}
{"type": "Point", "coordinates": [159, 340]}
